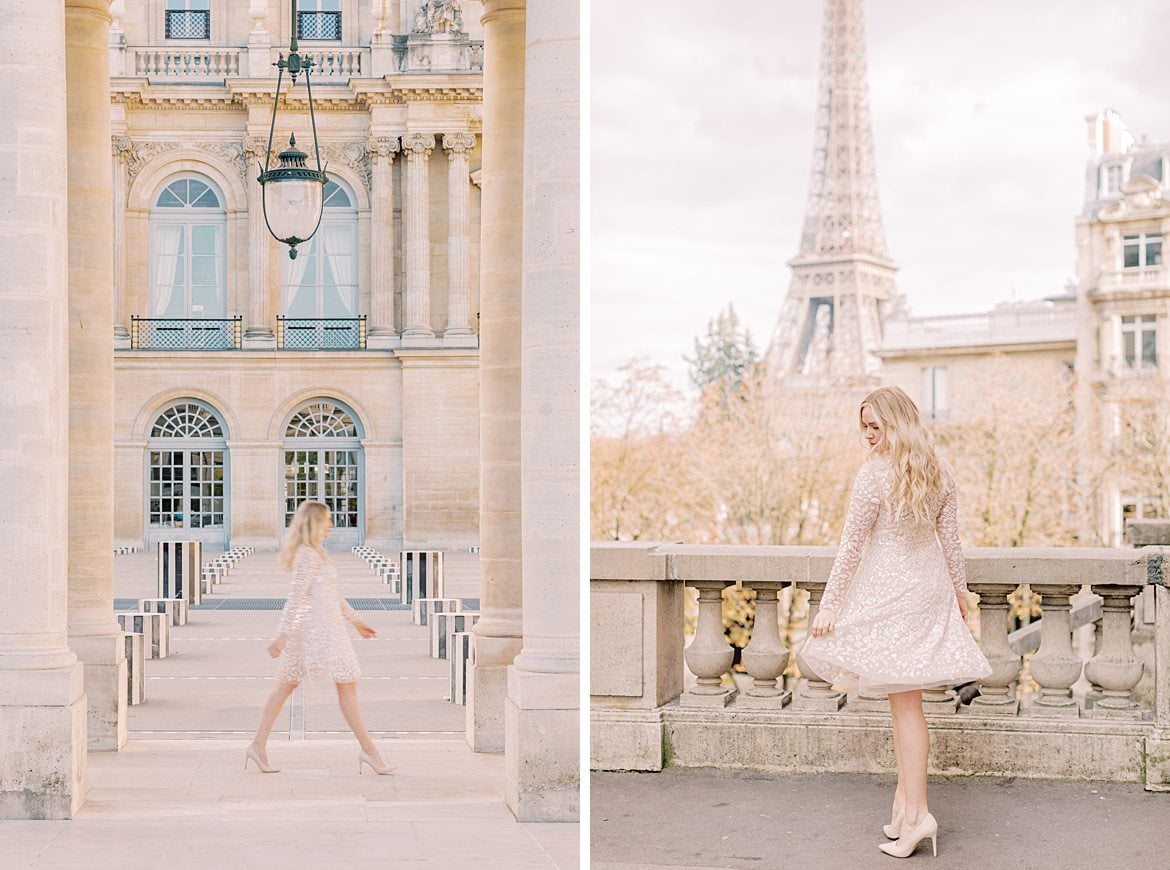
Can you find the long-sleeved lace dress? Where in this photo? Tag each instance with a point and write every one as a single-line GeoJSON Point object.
{"type": "Point", "coordinates": [892, 588]}
{"type": "Point", "coordinates": [313, 621]}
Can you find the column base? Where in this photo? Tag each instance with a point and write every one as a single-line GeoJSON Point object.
{"type": "Point", "coordinates": [121, 338]}
{"type": "Point", "coordinates": [460, 338]}
{"type": "Point", "coordinates": [42, 743]}
{"type": "Point", "coordinates": [104, 659]}
{"type": "Point", "coordinates": [421, 339]}
{"type": "Point", "coordinates": [1158, 760]}
{"type": "Point", "coordinates": [542, 778]}
{"type": "Point", "coordinates": [487, 691]}
{"type": "Point", "coordinates": [259, 339]}
{"type": "Point", "coordinates": [763, 702]}
{"type": "Point", "coordinates": [383, 341]}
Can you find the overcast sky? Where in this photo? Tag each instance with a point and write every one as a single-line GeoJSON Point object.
{"type": "Point", "coordinates": [702, 120]}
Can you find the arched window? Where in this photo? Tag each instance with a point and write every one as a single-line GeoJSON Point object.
{"type": "Point", "coordinates": [323, 461]}
{"type": "Point", "coordinates": [322, 280]}
{"type": "Point", "coordinates": [187, 475]}
{"type": "Point", "coordinates": [187, 274]}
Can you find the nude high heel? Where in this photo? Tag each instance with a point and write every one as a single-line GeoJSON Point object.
{"type": "Point", "coordinates": [250, 754]}
{"type": "Point", "coordinates": [364, 758]}
{"type": "Point", "coordinates": [894, 829]}
{"type": "Point", "coordinates": [905, 845]}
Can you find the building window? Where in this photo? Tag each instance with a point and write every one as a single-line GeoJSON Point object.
{"type": "Point", "coordinates": [1111, 179]}
{"type": "Point", "coordinates": [323, 462]}
{"type": "Point", "coordinates": [1139, 340]}
{"type": "Point", "coordinates": [188, 19]}
{"type": "Point", "coordinates": [188, 223]}
{"type": "Point", "coordinates": [1144, 249]}
{"type": "Point", "coordinates": [936, 394]}
{"type": "Point", "coordinates": [186, 477]}
{"type": "Point", "coordinates": [322, 280]}
{"type": "Point", "coordinates": [319, 19]}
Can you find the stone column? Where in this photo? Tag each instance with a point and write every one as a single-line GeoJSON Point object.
{"type": "Point", "coordinates": [416, 236]}
{"type": "Point", "coordinates": [258, 325]}
{"type": "Point", "coordinates": [94, 634]}
{"type": "Point", "coordinates": [541, 757]}
{"type": "Point", "coordinates": [42, 771]}
{"type": "Point", "coordinates": [457, 146]}
{"type": "Point", "coordinates": [259, 58]}
{"type": "Point", "coordinates": [121, 149]}
{"type": "Point", "coordinates": [498, 632]}
{"type": "Point", "coordinates": [382, 151]}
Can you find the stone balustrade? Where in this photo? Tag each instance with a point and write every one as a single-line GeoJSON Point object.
{"type": "Point", "coordinates": [655, 699]}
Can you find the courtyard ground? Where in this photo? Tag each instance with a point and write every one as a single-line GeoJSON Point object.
{"type": "Point", "coordinates": [178, 797]}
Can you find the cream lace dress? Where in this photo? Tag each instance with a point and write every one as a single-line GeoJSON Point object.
{"type": "Point", "coordinates": [892, 588]}
{"type": "Point", "coordinates": [314, 618]}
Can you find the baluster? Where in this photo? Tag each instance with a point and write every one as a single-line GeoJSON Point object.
{"type": "Point", "coordinates": [1054, 666]}
{"type": "Point", "coordinates": [1114, 667]}
{"type": "Point", "coordinates": [708, 655]}
{"type": "Point", "coordinates": [997, 695]}
{"type": "Point", "coordinates": [939, 701]}
{"type": "Point", "coordinates": [765, 656]}
{"type": "Point", "coordinates": [813, 693]}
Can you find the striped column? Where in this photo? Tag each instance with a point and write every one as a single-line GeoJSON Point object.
{"type": "Point", "coordinates": [424, 608]}
{"type": "Point", "coordinates": [459, 653]}
{"type": "Point", "coordinates": [422, 575]}
{"type": "Point", "coordinates": [174, 608]}
{"type": "Point", "coordinates": [417, 235]}
{"type": "Point", "coordinates": [443, 626]}
{"type": "Point", "coordinates": [179, 570]}
{"type": "Point", "coordinates": [135, 668]}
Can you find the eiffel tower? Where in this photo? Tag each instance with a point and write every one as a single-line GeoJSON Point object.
{"type": "Point", "coordinates": [842, 279]}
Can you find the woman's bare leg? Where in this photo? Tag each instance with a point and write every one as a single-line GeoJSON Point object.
{"type": "Point", "coordinates": [899, 791]}
{"type": "Point", "coordinates": [347, 698]}
{"type": "Point", "coordinates": [280, 693]}
{"type": "Point", "coordinates": [914, 742]}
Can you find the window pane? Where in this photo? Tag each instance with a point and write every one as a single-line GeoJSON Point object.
{"type": "Point", "coordinates": [338, 301]}
{"type": "Point", "coordinates": [203, 270]}
{"type": "Point", "coordinates": [205, 302]}
{"type": "Point", "coordinates": [1154, 251]}
{"type": "Point", "coordinates": [303, 302]}
{"type": "Point", "coordinates": [1149, 347]}
{"type": "Point", "coordinates": [204, 239]}
{"type": "Point", "coordinates": [1130, 354]}
{"type": "Point", "coordinates": [1132, 250]}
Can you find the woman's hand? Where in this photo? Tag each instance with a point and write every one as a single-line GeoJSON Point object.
{"type": "Point", "coordinates": [277, 646]}
{"type": "Point", "coordinates": [364, 630]}
{"type": "Point", "coordinates": [823, 623]}
{"type": "Point", "coordinates": [962, 599]}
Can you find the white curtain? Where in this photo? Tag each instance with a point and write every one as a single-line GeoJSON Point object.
{"type": "Point", "coordinates": [295, 270]}
{"type": "Point", "coordinates": [337, 239]}
{"type": "Point", "coordinates": [167, 241]}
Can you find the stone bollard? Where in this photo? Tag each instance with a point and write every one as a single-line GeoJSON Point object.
{"type": "Point", "coordinates": [422, 575]}
{"type": "Point", "coordinates": [180, 566]}
{"type": "Point", "coordinates": [460, 657]}
{"type": "Point", "coordinates": [155, 629]}
{"type": "Point", "coordinates": [135, 668]}
{"type": "Point", "coordinates": [444, 625]}
{"type": "Point", "coordinates": [423, 608]}
{"type": "Point", "coordinates": [174, 608]}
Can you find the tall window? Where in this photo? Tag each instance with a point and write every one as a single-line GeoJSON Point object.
{"type": "Point", "coordinates": [1142, 249]}
{"type": "Point", "coordinates": [323, 461]}
{"type": "Point", "coordinates": [936, 394]}
{"type": "Point", "coordinates": [322, 280]}
{"type": "Point", "coordinates": [186, 455]}
{"type": "Point", "coordinates": [188, 224]}
{"type": "Point", "coordinates": [319, 19]}
{"type": "Point", "coordinates": [1139, 340]}
{"type": "Point", "coordinates": [188, 19]}
{"type": "Point", "coordinates": [1111, 178]}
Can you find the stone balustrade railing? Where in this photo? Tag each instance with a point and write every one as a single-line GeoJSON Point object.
{"type": "Point", "coordinates": [646, 712]}
{"type": "Point", "coordinates": [183, 63]}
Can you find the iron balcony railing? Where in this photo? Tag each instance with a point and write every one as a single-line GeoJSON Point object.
{"type": "Point", "coordinates": [318, 25]}
{"type": "Point", "coordinates": [321, 333]}
{"type": "Point", "coordinates": [188, 24]}
{"type": "Point", "coordinates": [185, 333]}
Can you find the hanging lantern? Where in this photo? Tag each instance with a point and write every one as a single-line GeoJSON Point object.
{"type": "Point", "coordinates": [293, 194]}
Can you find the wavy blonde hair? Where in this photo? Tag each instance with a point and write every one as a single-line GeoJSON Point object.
{"type": "Point", "coordinates": [307, 527]}
{"type": "Point", "coordinates": [918, 472]}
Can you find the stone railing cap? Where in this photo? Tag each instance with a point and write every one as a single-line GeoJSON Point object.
{"type": "Point", "coordinates": [624, 560]}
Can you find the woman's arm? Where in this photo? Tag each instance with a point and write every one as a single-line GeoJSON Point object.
{"type": "Point", "coordinates": [864, 504]}
{"type": "Point", "coordinates": [306, 564]}
{"type": "Point", "coordinates": [946, 526]}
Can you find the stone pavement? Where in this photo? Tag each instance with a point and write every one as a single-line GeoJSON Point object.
{"type": "Point", "coordinates": [177, 796]}
{"type": "Point", "coordinates": [702, 818]}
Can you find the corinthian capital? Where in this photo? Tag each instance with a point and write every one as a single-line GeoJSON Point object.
{"type": "Point", "coordinates": [458, 144]}
{"type": "Point", "coordinates": [418, 144]}
{"type": "Point", "coordinates": [120, 146]}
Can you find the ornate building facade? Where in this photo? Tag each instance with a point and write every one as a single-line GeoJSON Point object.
{"type": "Point", "coordinates": [246, 381]}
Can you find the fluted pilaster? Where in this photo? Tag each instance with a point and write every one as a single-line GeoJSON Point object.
{"type": "Point", "coordinates": [120, 145]}
{"type": "Point", "coordinates": [417, 236]}
{"type": "Point", "coordinates": [382, 152]}
{"type": "Point", "coordinates": [258, 329]}
{"type": "Point", "coordinates": [458, 146]}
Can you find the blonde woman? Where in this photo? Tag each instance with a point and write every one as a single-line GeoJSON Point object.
{"type": "Point", "coordinates": [311, 640]}
{"type": "Point", "coordinates": [892, 618]}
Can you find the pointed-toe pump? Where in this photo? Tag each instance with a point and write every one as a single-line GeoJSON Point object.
{"type": "Point", "coordinates": [912, 835]}
{"type": "Point", "coordinates": [364, 758]}
{"type": "Point", "coordinates": [894, 829]}
{"type": "Point", "coordinates": [251, 754]}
